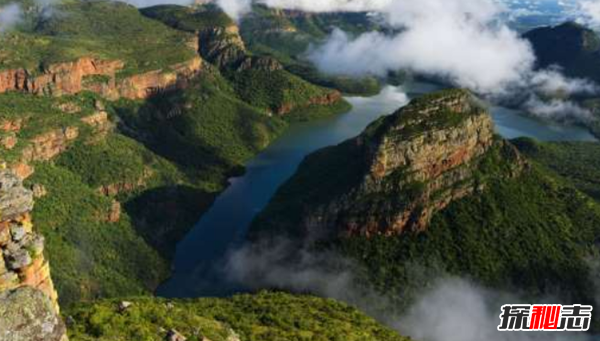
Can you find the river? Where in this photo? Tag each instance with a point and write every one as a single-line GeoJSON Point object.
{"type": "Point", "coordinates": [226, 222]}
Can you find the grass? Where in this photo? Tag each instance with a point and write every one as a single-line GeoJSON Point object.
{"type": "Point", "coordinates": [266, 316]}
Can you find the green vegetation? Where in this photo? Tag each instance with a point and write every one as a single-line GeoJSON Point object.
{"type": "Point", "coordinates": [90, 257]}
{"type": "Point", "coordinates": [576, 162]}
{"type": "Point", "coordinates": [287, 36]}
{"type": "Point", "coordinates": [264, 87]}
{"type": "Point", "coordinates": [37, 115]}
{"type": "Point", "coordinates": [274, 90]}
{"type": "Point", "coordinates": [261, 317]}
{"type": "Point", "coordinates": [365, 86]}
{"type": "Point", "coordinates": [108, 30]}
{"type": "Point", "coordinates": [189, 19]}
{"type": "Point", "coordinates": [161, 199]}
{"type": "Point", "coordinates": [541, 233]}
{"type": "Point", "coordinates": [292, 33]}
{"type": "Point", "coordinates": [193, 141]}
{"type": "Point", "coordinates": [120, 195]}
{"type": "Point", "coordinates": [40, 114]}
{"type": "Point", "coordinates": [207, 128]}
{"type": "Point", "coordinates": [315, 112]}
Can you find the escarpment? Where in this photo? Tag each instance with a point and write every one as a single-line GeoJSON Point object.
{"type": "Point", "coordinates": [100, 76]}
{"type": "Point", "coordinates": [394, 177]}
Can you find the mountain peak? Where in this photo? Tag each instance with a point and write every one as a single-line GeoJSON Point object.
{"type": "Point", "coordinates": [395, 176]}
{"type": "Point", "coordinates": [570, 45]}
{"type": "Point", "coordinates": [430, 135]}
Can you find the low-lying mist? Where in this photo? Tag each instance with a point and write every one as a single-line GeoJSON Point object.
{"type": "Point", "coordinates": [447, 309]}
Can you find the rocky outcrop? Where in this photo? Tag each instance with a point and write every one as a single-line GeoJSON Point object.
{"type": "Point", "coordinates": [328, 98]}
{"type": "Point", "coordinates": [47, 145]}
{"type": "Point", "coordinates": [403, 169]}
{"type": "Point", "coordinates": [22, 262]}
{"type": "Point", "coordinates": [224, 47]}
{"type": "Point", "coordinates": [57, 79]}
{"type": "Point", "coordinates": [27, 314]}
{"type": "Point", "coordinates": [145, 85]}
{"type": "Point", "coordinates": [221, 46]}
{"type": "Point", "coordinates": [74, 77]}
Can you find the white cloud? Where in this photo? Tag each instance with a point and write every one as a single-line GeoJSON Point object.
{"type": "Point", "coordinates": [10, 15]}
{"type": "Point", "coordinates": [465, 42]}
{"type": "Point", "coordinates": [551, 82]}
{"type": "Point", "coordinates": [589, 10]}
{"type": "Point", "coordinates": [235, 8]}
{"type": "Point", "coordinates": [458, 310]}
{"type": "Point", "coordinates": [558, 110]}
{"type": "Point", "coordinates": [462, 41]}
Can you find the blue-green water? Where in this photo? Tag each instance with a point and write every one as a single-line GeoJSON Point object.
{"type": "Point", "coordinates": [225, 224]}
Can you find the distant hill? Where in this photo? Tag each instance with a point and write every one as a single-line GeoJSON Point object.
{"type": "Point", "coordinates": [573, 47]}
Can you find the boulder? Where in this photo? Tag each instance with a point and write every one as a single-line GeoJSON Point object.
{"type": "Point", "coordinates": [27, 314]}
{"type": "Point", "coordinates": [18, 259]}
{"type": "Point", "coordinates": [15, 200]}
{"type": "Point", "coordinates": [124, 305]}
{"type": "Point", "coordinates": [174, 335]}
{"type": "Point", "coordinates": [17, 232]}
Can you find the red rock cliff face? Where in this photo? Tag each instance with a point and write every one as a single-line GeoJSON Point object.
{"type": "Point", "coordinates": [405, 168]}
{"type": "Point", "coordinates": [48, 145]}
{"type": "Point", "coordinates": [57, 79]}
{"type": "Point", "coordinates": [144, 85]}
{"type": "Point", "coordinates": [70, 78]}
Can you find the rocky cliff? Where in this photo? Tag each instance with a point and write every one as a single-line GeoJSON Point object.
{"type": "Point", "coordinates": [22, 261]}
{"type": "Point", "coordinates": [27, 314]}
{"type": "Point", "coordinates": [28, 300]}
{"type": "Point", "coordinates": [99, 76]}
{"type": "Point", "coordinates": [224, 47]}
{"type": "Point", "coordinates": [401, 171]}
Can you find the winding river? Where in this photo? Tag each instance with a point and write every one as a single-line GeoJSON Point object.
{"type": "Point", "coordinates": [225, 223]}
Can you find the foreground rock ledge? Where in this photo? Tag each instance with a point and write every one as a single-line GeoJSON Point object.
{"type": "Point", "coordinates": [27, 314]}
